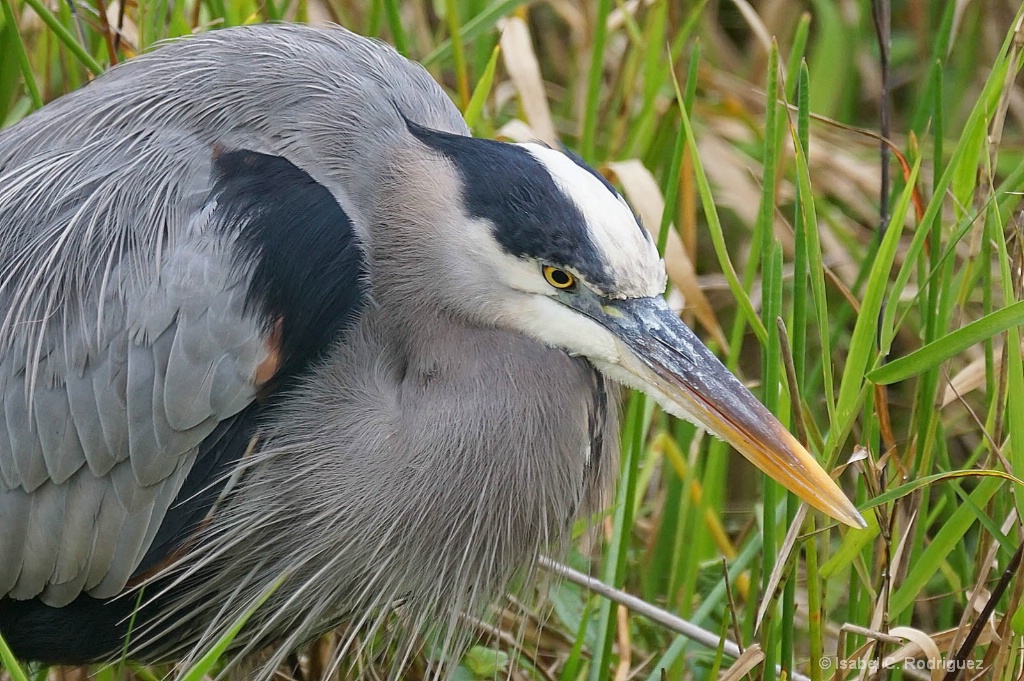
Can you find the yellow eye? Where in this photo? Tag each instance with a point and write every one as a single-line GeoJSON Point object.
{"type": "Point", "coordinates": [559, 278]}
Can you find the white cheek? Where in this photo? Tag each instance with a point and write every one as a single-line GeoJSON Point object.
{"type": "Point", "coordinates": [552, 323]}
{"type": "Point", "coordinates": [522, 276]}
{"type": "Point", "coordinates": [523, 301]}
{"type": "Point", "coordinates": [492, 263]}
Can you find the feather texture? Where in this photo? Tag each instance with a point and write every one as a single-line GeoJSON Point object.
{"type": "Point", "coordinates": [248, 196]}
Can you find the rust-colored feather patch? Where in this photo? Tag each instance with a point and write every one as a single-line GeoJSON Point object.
{"type": "Point", "coordinates": [269, 367]}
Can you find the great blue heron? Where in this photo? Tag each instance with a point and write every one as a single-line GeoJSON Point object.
{"type": "Point", "coordinates": [270, 316]}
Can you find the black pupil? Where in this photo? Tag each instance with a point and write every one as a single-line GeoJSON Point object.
{"type": "Point", "coordinates": [560, 278]}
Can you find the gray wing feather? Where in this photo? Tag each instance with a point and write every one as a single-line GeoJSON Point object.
{"type": "Point", "coordinates": [110, 387]}
{"type": "Point", "coordinates": [8, 465]}
{"type": "Point", "coordinates": [15, 511]}
{"type": "Point", "coordinates": [187, 400]}
{"type": "Point", "coordinates": [228, 390]}
{"type": "Point", "coordinates": [103, 534]}
{"type": "Point", "coordinates": [88, 421]}
{"type": "Point", "coordinates": [147, 425]}
{"type": "Point", "coordinates": [62, 449]}
{"type": "Point", "coordinates": [138, 530]}
{"type": "Point", "coordinates": [26, 448]}
{"type": "Point", "coordinates": [76, 540]}
{"type": "Point", "coordinates": [101, 426]}
{"type": "Point", "coordinates": [213, 356]}
{"type": "Point", "coordinates": [111, 515]}
{"type": "Point", "coordinates": [46, 522]}
{"type": "Point", "coordinates": [106, 521]}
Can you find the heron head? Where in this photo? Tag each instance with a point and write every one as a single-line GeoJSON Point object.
{"type": "Point", "coordinates": [559, 255]}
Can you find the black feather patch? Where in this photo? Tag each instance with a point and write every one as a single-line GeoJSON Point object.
{"type": "Point", "coordinates": [81, 632]}
{"type": "Point", "coordinates": [532, 216]}
{"type": "Point", "coordinates": [307, 268]}
{"type": "Point", "coordinates": [598, 418]}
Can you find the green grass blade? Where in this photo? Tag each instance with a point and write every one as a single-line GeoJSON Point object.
{"type": "Point", "coordinates": [943, 542]}
{"type": "Point", "coordinates": [671, 190]}
{"type": "Point", "coordinates": [10, 32]}
{"type": "Point", "coordinates": [815, 267]}
{"type": "Point", "coordinates": [797, 51]}
{"type": "Point", "coordinates": [764, 240]}
{"type": "Point", "coordinates": [198, 671]}
{"type": "Point", "coordinates": [919, 483]}
{"type": "Point", "coordinates": [473, 28]}
{"type": "Point", "coordinates": [764, 226]}
{"type": "Point", "coordinates": [715, 229]}
{"type": "Point", "coordinates": [772, 631]}
{"type": "Point", "coordinates": [1015, 410]}
{"type": "Point", "coordinates": [592, 104]}
{"type": "Point", "coordinates": [571, 670]}
{"type": "Point", "coordinates": [458, 52]}
{"type": "Point", "coordinates": [10, 663]}
{"type": "Point", "coordinates": [395, 24]}
{"type": "Point", "coordinates": [862, 342]}
{"type": "Point", "coordinates": [1014, 364]}
{"type": "Point", "coordinates": [66, 37]}
{"type": "Point", "coordinates": [614, 569]}
{"type": "Point", "coordinates": [482, 90]}
{"type": "Point", "coordinates": [798, 327]}
{"type": "Point", "coordinates": [950, 345]}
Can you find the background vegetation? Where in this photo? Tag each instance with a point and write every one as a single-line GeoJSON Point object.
{"type": "Point", "coordinates": [849, 244]}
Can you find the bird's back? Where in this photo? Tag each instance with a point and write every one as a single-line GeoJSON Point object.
{"type": "Point", "coordinates": [127, 329]}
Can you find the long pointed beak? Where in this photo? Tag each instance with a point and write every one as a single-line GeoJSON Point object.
{"type": "Point", "coordinates": [669, 360]}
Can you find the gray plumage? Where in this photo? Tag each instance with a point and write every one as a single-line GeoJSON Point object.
{"type": "Point", "coordinates": [269, 318]}
{"type": "Point", "coordinates": [125, 341]}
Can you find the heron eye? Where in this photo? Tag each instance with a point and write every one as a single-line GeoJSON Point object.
{"type": "Point", "coordinates": [560, 279]}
